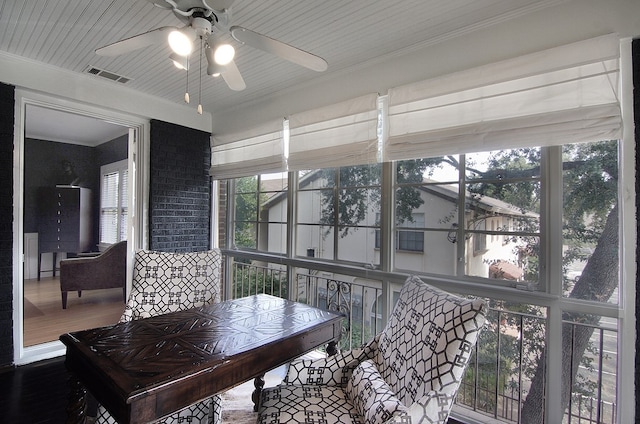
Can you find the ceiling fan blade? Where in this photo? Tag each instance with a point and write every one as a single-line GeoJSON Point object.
{"type": "Point", "coordinates": [136, 42]}
{"type": "Point", "coordinates": [283, 50]}
{"type": "Point", "coordinates": [231, 75]}
{"type": "Point", "coordinates": [218, 4]}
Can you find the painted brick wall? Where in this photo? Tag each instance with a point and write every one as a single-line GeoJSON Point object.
{"type": "Point", "coordinates": [180, 188]}
{"type": "Point", "coordinates": [7, 93]}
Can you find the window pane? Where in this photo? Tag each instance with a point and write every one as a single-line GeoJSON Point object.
{"type": "Point", "coordinates": [276, 238]}
{"type": "Point", "coordinates": [351, 210]}
{"type": "Point", "coordinates": [438, 257]}
{"type": "Point", "coordinates": [436, 203]}
{"type": "Point", "coordinates": [245, 235]}
{"type": "Point", "coordinates": [273, 198]}
{"type": "Point", "coordinates": [310, 207]}
{"type": "Point", "coordinates": [246, 212]}
{"type": "Point", "coordinates": [502, 214]}
{"type": "Point", "coordinates": [351, 242]}
{"type": "Point", "coordinates": [502, 165]}
{"type": "Point", "coordinates": [357, 210]}
{"type": "Point", "coordinates": [590, 221]}
{"type": "Point", "coordinates": [315, 241]}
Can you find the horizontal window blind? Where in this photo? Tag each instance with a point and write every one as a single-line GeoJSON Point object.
{"type": "Point", "coordinates": [342, 134]}
{"type": "Point", "coordinates": [109, 207]}
{"type": "Point", "coordinates": [253, 151]}
{"type": "Point", "coordinates": [562, 95]}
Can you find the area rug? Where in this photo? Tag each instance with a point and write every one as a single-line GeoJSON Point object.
{"type": "Point", "coordinates": [237, 407]}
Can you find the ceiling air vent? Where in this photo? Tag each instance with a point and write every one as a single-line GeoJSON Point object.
{"type": "Point", "coordinates": [108, 75]}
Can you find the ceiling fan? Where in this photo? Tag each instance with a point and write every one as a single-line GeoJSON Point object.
{"type": "Point", "coordinates": [208, 20]}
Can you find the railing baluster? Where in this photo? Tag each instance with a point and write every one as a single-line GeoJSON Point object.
{"type": "Point", "coordinates": [600, 357]}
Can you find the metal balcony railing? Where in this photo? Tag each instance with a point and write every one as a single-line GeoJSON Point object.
{"type": "Point", "coordinates": [499, 378]}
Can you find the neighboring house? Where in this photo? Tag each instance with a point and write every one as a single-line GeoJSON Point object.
{"type": "Point", "coordinates": [431, 247]}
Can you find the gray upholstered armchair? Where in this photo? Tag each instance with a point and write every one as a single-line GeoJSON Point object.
{"type": "Point", "coordinates": [169, 282]}
{"type": "Point", "coordinates": [409, 373]}
{"type": "Point", "coordinates": [107, 270]}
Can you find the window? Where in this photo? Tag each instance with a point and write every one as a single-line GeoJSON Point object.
{"type": "Point", "coordinates": [113, 203]}
{"type": "Point", "coordinates": [491, 218]}
{"type": "Point", "coordinates": [410, 241]}
{"type": "Point", "coordinates": [491, 188]}
{"type": "Point", "coordinates": [261, 212]}
{"type": "Point", "coordinates": [501, 172]}
{"type": "Point", "coordinates": [338, 211]}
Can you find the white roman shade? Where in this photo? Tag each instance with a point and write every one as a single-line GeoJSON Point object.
{"type": "Point", "coordinates": [254, 151]}
{"type": "Point", "coordinates": [342, 134]}
{"type": "Point", "coordinates": [562, 95]}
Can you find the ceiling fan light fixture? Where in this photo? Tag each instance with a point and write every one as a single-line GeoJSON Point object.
{"type": "Point", "coordinates": [214, 69]}
{"type": "Point", "coordinates": [180, 62]}
{"type": "Point", "coordinates": [180, 43]}
{"type": "Point", "coordinates": [224, 54]}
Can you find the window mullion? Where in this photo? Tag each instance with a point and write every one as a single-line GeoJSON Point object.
{"type": "Point", "coordinates": [551, 241]}
{"type": "Point", "coordinates": [387, 214]}
{"type": "Point", "coordinates": [336, 214]}
{"type": "Point", "coordinates": [461, 232]}
{"type": "Point", "coordinates": [292, 222]}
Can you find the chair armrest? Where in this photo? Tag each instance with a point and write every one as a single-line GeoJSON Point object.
{"type": "Point", "coordinates": [433, 407]}
{"type": "Point", "coordinates": [330, 371]}
{"type": "Point", "coordinates": [77, 261]}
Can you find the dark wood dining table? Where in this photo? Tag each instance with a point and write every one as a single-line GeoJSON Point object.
{"type": "Point", "coordinates": [145, 369]}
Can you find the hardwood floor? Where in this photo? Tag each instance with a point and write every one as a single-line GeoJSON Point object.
{"type": "Point", "coordinates": [45, 320]}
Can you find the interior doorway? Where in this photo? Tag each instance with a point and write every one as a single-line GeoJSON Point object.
{"type": "Point", "coordinates": [67, 160]}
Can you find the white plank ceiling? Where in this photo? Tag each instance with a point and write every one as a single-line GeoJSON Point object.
{"type": "Point", "coordinates": [347, 34]}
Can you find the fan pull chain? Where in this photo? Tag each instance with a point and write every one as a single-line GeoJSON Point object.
{"type": "Point", "coordinates": [200, 75]}
{"type": "Point", "coordinates": [186, 91]}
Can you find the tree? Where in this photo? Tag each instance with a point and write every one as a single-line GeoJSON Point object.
{"type": "Point", "coordinates": [355, 188]}
{"type": "Point", "coordinates": [246, 203]}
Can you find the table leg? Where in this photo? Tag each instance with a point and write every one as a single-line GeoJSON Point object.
{"type": "Point", "coordinates": [77, 405]}
{"type": "Point", "coordinates": [332, 348]}
{"type": "Point", "coordinates": [258, 383]}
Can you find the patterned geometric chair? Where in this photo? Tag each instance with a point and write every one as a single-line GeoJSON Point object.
{"type": "Point", "coordinates": [169, 282]}
{"type": "Point", "coordinates": [409, 373]}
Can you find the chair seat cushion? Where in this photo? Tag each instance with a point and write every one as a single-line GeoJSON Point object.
{"type": "Point", "coordinates": [306, 404]}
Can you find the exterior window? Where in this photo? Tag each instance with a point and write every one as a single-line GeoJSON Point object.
{"type": "Point", "coordinates": [113, 203]}
{"type": "Point", "coordinates": [411, 241]}
{"type": "Point", "coordinates": [469, 220]}
{"type": "Point", "coordinates": [480, 239]}
{"type": "Point", "coordinates": [261, 212]}
{"type": "Point", "coordinates": [500, 186]}
{"type": "Point", "coordinates": [338, 212]}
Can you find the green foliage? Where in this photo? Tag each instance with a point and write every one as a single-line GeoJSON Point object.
{"type": "Point", "coordinates": [246, 205]}
{"type": "Point", "coordinates": [247, 194]}
{"type": "Point", "coordinates": [250, 280]}
{"type": "Point", "coordinates": [356, 188]}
